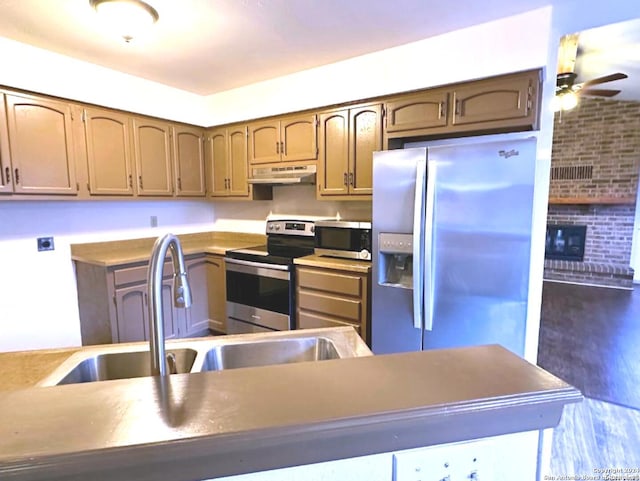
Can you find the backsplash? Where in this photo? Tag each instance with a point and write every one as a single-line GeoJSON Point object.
{"type": "Point", "coordinates": [294, 200]}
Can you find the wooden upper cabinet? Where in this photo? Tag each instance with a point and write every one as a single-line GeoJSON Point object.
{"type": "Point", "coordinates": [40, 145]}
{"type": "Point", "coordinates": [153, 159]}
{"type": "Point", "coordinates": [333, 167]}
{"type": "Point", "coordinates": [189, 161]}
{"type": "Point", "coordinates": [420, 111]}
{"type": "Point", "coordinates": [6, 185]}
{"type": "Point", "coordinates": [216, 161]}
{"type": "Point", "coordinates": [237, 161]}
{"type": "Point", "coordinates": [365, 137]}
{"type": "Point", "coordinates": [109, 160]}
{"type": "Point", "coordinates": [264, 142]}
{"type": "Point", "coordinates": [506, 99]}
{"type": "Point", "coordinates": [227, 162]}
{"type": "Point", "coordinates": [298, 138]}
{"type": "Point", "coordinates": [291, 138]}
{"type": "Point", "coordinates": [348, 139]}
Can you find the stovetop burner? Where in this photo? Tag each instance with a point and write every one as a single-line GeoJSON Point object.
{"type": "Point", "coordinates": [286, 240]}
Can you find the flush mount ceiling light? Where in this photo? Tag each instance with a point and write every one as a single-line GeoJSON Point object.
{"type": "Point", "coordinates": [128, 18]}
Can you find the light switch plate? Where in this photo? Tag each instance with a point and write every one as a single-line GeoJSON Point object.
{"type": "Point", "coordinates": [453, 462]}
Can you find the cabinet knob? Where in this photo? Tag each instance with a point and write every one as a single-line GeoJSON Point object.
{"type": "Point", "coordinates": [351, 179]}
{"type": "Point", "coordinates": [16, 174]}
{"type": "Point", "coordinates": [277, 147]}
{"type": "Point", "coordinates": [7, 172]}
{"type": "Point", "coordinates": [140, 181]}
{"type": "Point", "coordinates": [346, 181]}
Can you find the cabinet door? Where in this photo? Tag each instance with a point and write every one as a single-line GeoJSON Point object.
{"type": "Point", "coordinates": [237, 166]}
{"type": "Point", "coordinates": [365, 137]}
{"type": "Point", "coordinates": [216, 156]}
{"type": "Point", "coordinates": [171, 314]}
{"type": "Point", "coordinates": [189, 161]}
{"type": "Point", "coordinates": [108, 152]}
{"type": "Point", "coordinates": [217, 292]}
{"type": "Point", "coordinates": [197, 318]}
{"type": "Point", "coordinates": [41, 146]}
{"type": "Point", "coordinates": [422, 111]}
{"type": "Point", "coordinates": [132, 314]}
{"type": "Point", "coordinates": [152, 152]}
{"type": "Point", "coordinates": [6, 185]}
{"type": "Point", "coordinates": [298, 136]}
{"type": "Point", "coordinates": [264, 142]}
{"type": "Point", "coordinates": [494, 100]}
{"type": "Point", "coordinates": [333, 168]}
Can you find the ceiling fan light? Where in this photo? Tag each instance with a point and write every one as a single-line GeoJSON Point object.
{"type": "Point", "coordinates": [127, 18]}
{"type": "Point", "coordinates": [569, 101]}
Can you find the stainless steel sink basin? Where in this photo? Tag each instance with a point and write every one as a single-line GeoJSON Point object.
{"type": "Point", "coordinates": [131, 360]}
{"type": "Point", "coordinates": [264, 353]}
{"type": "Point", "coordinates": [124, 365]}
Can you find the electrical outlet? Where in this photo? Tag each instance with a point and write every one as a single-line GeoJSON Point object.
{"type": "Point", "coordinates": [154, 221]}
{"type": "Point", "coordinates": [453, 462]}
{"type": "Point", "coordinates": [45, 244]}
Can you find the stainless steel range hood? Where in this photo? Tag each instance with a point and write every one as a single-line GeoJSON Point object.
{"type": "Point", "coordinates": [292, 174]}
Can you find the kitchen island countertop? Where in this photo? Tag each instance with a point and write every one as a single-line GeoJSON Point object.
{"type": "Point", "coordinates": [211, 424]}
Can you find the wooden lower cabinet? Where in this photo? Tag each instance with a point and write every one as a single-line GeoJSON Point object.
{"type": "Point", "coordinates": [217, 285]}
{"type": "Point", "coordinates": [113, 302]}
{"type": "Point", "coordinates": [333, 298]}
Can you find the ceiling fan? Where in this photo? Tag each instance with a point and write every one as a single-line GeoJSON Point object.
{"type": "Point", "coordinates": [567, 89]}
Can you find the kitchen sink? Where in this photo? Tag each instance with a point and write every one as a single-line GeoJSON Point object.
{"type": "Point", "coordinates": [264, 353]}
{"type": "Point", "coordinates": [124, 365]}
{"type": "Point", "coordinates": [214, 353]}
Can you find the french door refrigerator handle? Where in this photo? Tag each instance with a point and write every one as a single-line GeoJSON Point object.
{"type": "Point", "coordinates": [427, 269]}
{"type": "Point", "coordinates": [418, 239]}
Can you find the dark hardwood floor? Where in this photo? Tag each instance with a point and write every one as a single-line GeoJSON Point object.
{"type": "Point", "coordinates": [590, 337]}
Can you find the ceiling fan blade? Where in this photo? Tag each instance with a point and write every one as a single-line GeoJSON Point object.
{"type": "Point", "coordinates": [606, 78]}
{"type": "Point", "coordinates": [600, 92]}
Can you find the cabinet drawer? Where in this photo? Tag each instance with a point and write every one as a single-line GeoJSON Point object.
{"type": "Point", "coordinates": [349, 309]}
{"type": "Point", "coordinates": [329, 281]}
{"type": "Point", "coordinates": [306, 320]}
{"type": "Point", "coordinates": [138, 274]}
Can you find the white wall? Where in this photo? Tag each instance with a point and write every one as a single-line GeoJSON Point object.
{"type": "Point", "coordinates": [287, 200]}
{"type": "Point", "coordinates": [507, 45]}
{"type": "Point", "coordinates": [38, 70]}
{"type": "Point", "coordinates": [38, 296]}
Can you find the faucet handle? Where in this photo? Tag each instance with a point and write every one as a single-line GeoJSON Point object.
{"type": "Point", "coordinates": [181, 291]}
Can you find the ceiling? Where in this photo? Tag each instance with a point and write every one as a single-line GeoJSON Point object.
{"type": "Point", "coordinates": [208, 46]}
{"type": "Point", "coordinates": [610, 49]}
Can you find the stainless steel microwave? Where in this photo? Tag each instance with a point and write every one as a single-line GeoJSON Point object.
{"type": "Point", "coordinates": [336, 238]}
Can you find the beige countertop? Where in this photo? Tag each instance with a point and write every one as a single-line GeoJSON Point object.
{"type": "Point", "coordinates": [113, 253]}
{"type": "Point", "coordinates": [334, 263]}
{"type": "Point", "coordinates": [212, 424]}
{"type": "Point", "coordinates": [23, 369]}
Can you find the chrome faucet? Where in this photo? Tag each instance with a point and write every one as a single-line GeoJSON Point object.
{"type": "Point", "coordinates": [181, 296]}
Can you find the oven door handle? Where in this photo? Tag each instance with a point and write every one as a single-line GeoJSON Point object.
{"type": "Point", "coordinates": [264, 265]}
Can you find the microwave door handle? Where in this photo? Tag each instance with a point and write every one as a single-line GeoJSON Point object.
{"type": "Point", "coordinates": [427, 270]}
{"type": "Point", "coordinates": [418, 239]}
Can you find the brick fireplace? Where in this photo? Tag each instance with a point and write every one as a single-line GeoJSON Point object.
{"type": "Point", "coordinates": [594, 179]}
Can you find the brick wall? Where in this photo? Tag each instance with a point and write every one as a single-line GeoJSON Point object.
{"type": "Point", "coordinates": [596, 155]}
{"type": "Point", "coordinates": [602, 136]}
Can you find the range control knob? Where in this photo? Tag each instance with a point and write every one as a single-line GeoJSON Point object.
{"type": "Point", "coordinates": [365, 254]}
{"type": "Point", "coordinates": [270, 226]}
{"type": "Point", "coordinates": [312, 229]}
{"type": "Point", "coordinates": [277, 226]}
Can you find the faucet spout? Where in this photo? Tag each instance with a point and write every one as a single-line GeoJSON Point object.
{"type": "Point", "coordinates": [181, 296]}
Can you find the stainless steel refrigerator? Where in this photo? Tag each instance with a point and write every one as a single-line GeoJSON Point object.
{"type": "Point", "coordinates": [451, 242]}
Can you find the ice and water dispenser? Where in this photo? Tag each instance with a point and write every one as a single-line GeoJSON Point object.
{"type": "Point", "coordinates": [395, 256]}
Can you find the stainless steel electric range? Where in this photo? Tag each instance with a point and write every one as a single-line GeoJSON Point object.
{"type": "Point", "coordinates": [260, 279]}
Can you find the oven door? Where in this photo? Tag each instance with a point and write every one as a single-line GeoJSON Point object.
{"type": "Point", "coordinates": [259, 296]}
